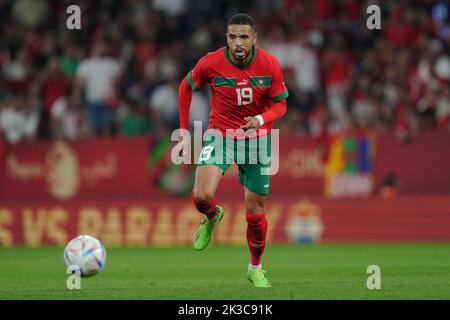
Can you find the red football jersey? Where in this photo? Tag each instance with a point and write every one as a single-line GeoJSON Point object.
{"type": "Point", "coordinates": [239, 92]}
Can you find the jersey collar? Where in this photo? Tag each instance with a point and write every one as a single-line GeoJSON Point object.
{"type": "Point", "coordinates": [227, 55]}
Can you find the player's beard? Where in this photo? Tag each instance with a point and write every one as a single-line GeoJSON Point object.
{"type": "Point", "coordinates": [242, 58]}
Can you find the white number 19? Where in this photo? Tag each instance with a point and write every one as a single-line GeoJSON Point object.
{"type": "Point", "coordinates": [244, 96]}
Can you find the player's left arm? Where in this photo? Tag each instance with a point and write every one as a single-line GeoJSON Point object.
{"type": "Point", "coordinates": [276, 111]}
{"type": "Point", "coordinates": [278, 94]}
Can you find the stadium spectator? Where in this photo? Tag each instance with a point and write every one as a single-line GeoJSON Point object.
{"type": "Point", "coordinates": [390, 187]}
{"type": "Point", "coordinates": [19, 119]}
{"type": "Point", "coordinates": [324, 48]}
{"type": "Point", "coordinates": [31, 13]}
{"type": "Point", "coordinates": [135, 120]}
{"type": "Point", "coordinates": [337, 68]}
{"type": "Point", "coordinates": [68, 119]}
{"type": "Point", "coordinates": [164, 103]}
{"type": "Point", "coordinates": [53, 83]}
{"type": "Point", "coordinates": [443, 107]}
{"type": "Point", "coordinates": [16, 70]}
{"type": "Point", "coordinates": [98, 75]}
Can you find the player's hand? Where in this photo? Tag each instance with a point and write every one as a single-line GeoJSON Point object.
{"type": "Point", "coordinates": [252, 123]}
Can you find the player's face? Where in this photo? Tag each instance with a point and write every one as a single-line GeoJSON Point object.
{"type": "Point", "coordinates": [241, 38]}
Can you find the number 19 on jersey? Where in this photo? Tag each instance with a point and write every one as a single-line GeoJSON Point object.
{"type": "Point", "coordinates": [244, 96]}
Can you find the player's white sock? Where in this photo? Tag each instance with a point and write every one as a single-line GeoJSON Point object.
{"type": "Point", "coordinates": [250, 266]}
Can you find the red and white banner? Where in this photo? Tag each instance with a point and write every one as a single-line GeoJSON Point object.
{"type": "Point", "coordinates": [422, 165]}
{"type": "Point", "coordinates": [162, 222]}
{"type": "Point", "coordinates": [140, 168]}
{"type": "Point", "coordinates": [136, 168]}
{"type": "Point", "coordinates": [64, 170]}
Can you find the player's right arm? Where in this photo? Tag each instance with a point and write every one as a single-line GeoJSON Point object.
{"type": "Point", "coordinates": [192, 82]}
{"type": "Point", "coordinates": [184, 103]}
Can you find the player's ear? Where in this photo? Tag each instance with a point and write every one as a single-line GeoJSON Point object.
{"type": "Point", "coordinates": [255, 36]}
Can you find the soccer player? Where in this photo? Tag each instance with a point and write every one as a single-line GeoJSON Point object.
{"type": "Point", "coordinates": [248, 93]}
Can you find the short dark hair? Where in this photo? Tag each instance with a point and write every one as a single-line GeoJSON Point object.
{"type": "Point", "coordinates": [242, 18]}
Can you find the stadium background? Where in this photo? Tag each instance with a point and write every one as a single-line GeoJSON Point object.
{"type": "Point", "coordinates": [365, 144]}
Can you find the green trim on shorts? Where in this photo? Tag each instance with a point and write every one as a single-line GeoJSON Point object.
{"type": "Point", "coordinates": [253, 166]}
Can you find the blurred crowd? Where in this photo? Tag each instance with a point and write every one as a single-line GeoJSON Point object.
{"type": "Point", "coordinates": [119, 74]}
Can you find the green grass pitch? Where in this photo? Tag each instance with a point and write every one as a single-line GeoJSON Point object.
{"type": "Point", "coordinates": [323, 271]}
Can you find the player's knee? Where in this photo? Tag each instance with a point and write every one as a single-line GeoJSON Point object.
{"type": "Point", "coordinates": [201, 196]}
{"type": "Point", "coordinates": [255, 206]}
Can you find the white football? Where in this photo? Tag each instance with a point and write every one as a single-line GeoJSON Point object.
{"type": "Point", "coordinates": [87, 253]}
